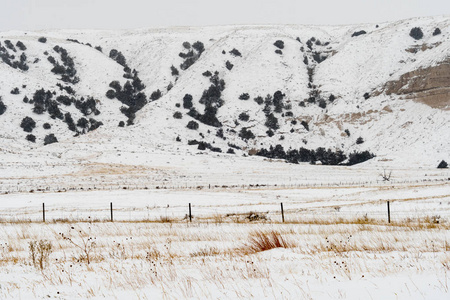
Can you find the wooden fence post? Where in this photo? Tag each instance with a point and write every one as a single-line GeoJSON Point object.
{"type": "Point", "coordinates": [282, 212]}
{"type": "Point", "coordinates": [190, 213]}
{"type": "Point", "coordinates": [389, 212]}
{"type": "Point", "coordinates": [43, 212]}
{"type": "Point", "coordinates": [111, 208]}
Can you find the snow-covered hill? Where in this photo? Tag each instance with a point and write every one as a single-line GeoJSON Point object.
{"type": "Point", "coordinates": [239, 89]}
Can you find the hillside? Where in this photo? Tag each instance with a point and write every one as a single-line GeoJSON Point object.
{"type": "Point", "coordinates": [231, 89]}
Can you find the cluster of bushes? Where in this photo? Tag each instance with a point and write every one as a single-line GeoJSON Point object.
{"type": "Point", "coordinates": [118, 57]}
{"type": "Point", "coordinates": [86, 44]}
{"type": "Point", "coordinates": [192, 55]}
{"type": "Point", "coordinates": [68, 89]}
{"type": "Point", "coordinates": [212, 100]}
{"type": "Point", "coordinates": [131, 95]}
{"type": "Point", "coordinates": [10, 60]}
{"type": "Point", "coordinates": [204, 145]}
{"type": "Point", "coordinates": [326, 157]}
{"type": "Point", "coordinates": [67, 69]}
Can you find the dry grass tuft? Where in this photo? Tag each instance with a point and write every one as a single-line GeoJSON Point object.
{"type": "Point", "coordinates": [261, 241]}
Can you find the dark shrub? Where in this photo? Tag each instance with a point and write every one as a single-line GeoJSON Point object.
{"type": "Point", "coordinates": [174, 71]}
{"type": "Point", "coordinates": [25, 99]}
{"type": "Point", "coordinates": [94, 124]}
{"type": "Point", "coordinates": [47, 126]}
{"type": "Point", "coordinates": [278, 51]}
{"type": "Point", "coordinates": [192, 125]}
{"type": "Point", "coordinates": [199, 47]}
{"type": "Point", "coordinates": [270, 133]}
{"type": "Point", "coordinates": [69, 121]}
{"type": "Point", "coordinates": [246, 134]}
{"type": "Point", "coordinates": [15, 91]}
{"type": "Point", "coordinates": [187, 45]}
{"type": "Point", "coordinates": [207, 74]}
{"type": "Point", "coordinates": [28, 124]}
{"type": "Point", "coordinates": [156, 95]}
{"type": "Point", "coordinates": [2, 107]}
{"type": "Point", "coordinates": [21, 46]}
{"type": "Point", "coordinates": [230, 151]}
{"type": "Point", "coordinates": [366, 96]}
{"type": "Point", "coordinates": [416, 33]}
{"type": "Point", "coordinates": [177, 115]}
{"type": "Point", "coordinates": [83, 123]}
{"type": "Point", "coordinates": [244, 96]}
{"type": "Point", "coordinates": [99, 48]}
{"type": "Point", "coordinates": [436, 31]}
{"type": "Point", "coordinates": [442, 165]}
{"type": "Point", "coordinates": [121, 124]}
{"type": "Point", "coordinates": [358, 33]}
{"type": "Point", "coordinates": [289, 114]}
{"type": "Point", "coordinates": [305, 124]}
{"type": "Point", "coordinates": [318, 57]}
{"type": "Point", "coordinates": [347, 132]}
{"type": "Point", "coordinates": [259, 100]}
{"type": "Point", "coordinates": [271, 122]}
{"type": "Point", "coordinates": [229, 65]}
{"type": "Point", "coordinates": [187, 101]}
{"type": "Point", "coordinates": [235, 52]}
{"type": "Point", "coordinates": [50, 139]}
{"type": "Point", "coordinates": [359, 157]}
{"type": "Point", "coordinates": [31, 138]}
{"type": "Point", "coordinates": [110, 94]}
{"type": "Point", "coordinates": [331, 98]}
{"type": "Point", "coordinates": [42, 39]}
{"type": "Point", "coordinates": [359, 140]}
{"type": "Point", "coordinates": [244, 117]}
{"type": "Point", "coordinates": [115, 85]}
{"type": "Point", "coordinates": [322, 103]}
{"type": "Point", "coordinates": [279, 44]}
{"type": "Point", "coordinates": [64, 100]}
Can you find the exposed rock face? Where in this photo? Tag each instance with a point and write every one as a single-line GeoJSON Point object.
{"type": "Point", "coordinates": [430, 86]}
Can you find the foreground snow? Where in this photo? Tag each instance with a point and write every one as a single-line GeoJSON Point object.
{"type": "Point", "coordinates": [215, 260]}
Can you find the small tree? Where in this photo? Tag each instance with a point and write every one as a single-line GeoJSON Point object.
{"type": "Point", "coordinates": [28, 124]}
{"type": "Point", "coordinates": [156, 95]}
{"type": "Point", "coordinates": [244, 96]}
{"type": "Point", "coordinates": [229, 65]}
{"type": "Point", "coordinates": [42, 39]}
{"type": "Point", "coordinates": [177, 115]}
{"type": "Point", "coordinates": [416, 33]}
{"type": "Point", "coordinates": [436, 31]}
{"type": "Point", "coordinates": [2, 107]}
{"type": "Point", "coordinates": [187, 101]}
{"type": "Point", "coordinates": [443, 165]}
{"type": "Point", "coordinates": [359, 141]}
{"type": "Point", "coordinates": [31, 138]}
{"type": "Point", "coordinates": [279, 44]}
{"type": "Point", "coordinates": [235, 52]}
{"type": "Point", "coordinates": [50, 139]}
{"type": "Point", "coordinates": [192, 125]}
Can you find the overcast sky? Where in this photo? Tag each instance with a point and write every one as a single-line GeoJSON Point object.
{"type": "Point", "coordinates": [118, 14]}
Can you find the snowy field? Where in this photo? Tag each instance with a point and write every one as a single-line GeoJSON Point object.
{"type": "Point", "coordinates": [336, 242]}
{"type": "Point", "coordinates": [225, 261]}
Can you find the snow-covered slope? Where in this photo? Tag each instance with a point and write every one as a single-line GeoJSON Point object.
{"type": "Point", "coordinates": [326, 85]}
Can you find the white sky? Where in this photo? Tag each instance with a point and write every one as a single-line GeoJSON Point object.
{"type": "Point", "coordinates": [119, 14]}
